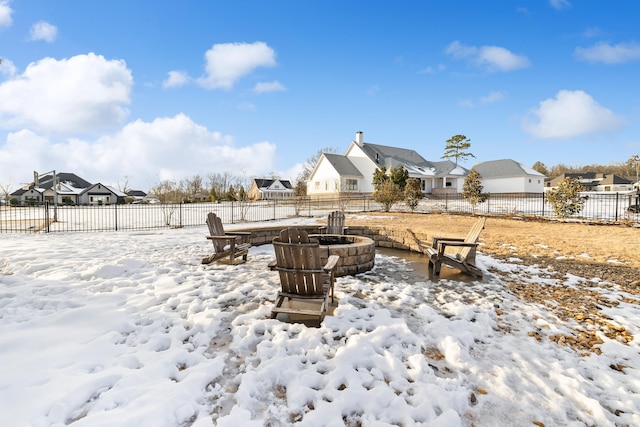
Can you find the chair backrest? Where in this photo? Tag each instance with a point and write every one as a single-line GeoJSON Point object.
{"type": "Point", "coordinates": [472, 237]}
{"type": "Point", "coordinates": [215, 229]}
{"type": "Point", "coordinates": [299, 264]}
{"type": "Point", "coordinates": [335, 223]}
{"type": "Point", "coordinates": [294, 235]}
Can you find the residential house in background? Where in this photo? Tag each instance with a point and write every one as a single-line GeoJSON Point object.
{"type": "Point", "coordinates": [509, 176]}
{"type": "Point", "coordinates": [595, 181]}
{"type": "Point", "coordinates": [67, 188]}
{"type": "Point", "coordinates": [270, 189]}
{"type": "Point", "coordinates": [352, 173]}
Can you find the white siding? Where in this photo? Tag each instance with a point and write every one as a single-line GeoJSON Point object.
{"type": "Point", "coordinates": [364, 164]}
{"type": "Point", "coordinates": [325, 180]}
{"type": "Point", "coordinates": [526, 184]}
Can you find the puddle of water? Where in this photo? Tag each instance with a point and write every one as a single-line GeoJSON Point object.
{"type": "Point", "coordinates": [419, 265]}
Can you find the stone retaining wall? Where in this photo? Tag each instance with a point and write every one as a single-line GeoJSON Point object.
{"type": "Point", "coordinates": [385, 237]}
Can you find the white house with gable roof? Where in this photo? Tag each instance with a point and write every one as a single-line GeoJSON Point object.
{"type": "Point", "coordinates": [509, 176]}
{"type": "Point", "coordinates": [353, 172]}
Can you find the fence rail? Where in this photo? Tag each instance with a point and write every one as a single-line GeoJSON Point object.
{"type": "Point", "coordinates": [50, 218]}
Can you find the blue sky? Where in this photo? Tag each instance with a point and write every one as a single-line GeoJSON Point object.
{"type": "Point", "coordinates": [143, 91]}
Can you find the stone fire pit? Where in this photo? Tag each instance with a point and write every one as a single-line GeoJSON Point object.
{"type": "Point", "coordinates": [357, 253]}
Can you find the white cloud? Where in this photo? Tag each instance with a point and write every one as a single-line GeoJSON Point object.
{"type": "Point", "coordinates": [492, 58]}
{"type": "Point", "coordinates": [5, 14]}
{"type": "Point", "coordinates": [171, 148]}
{"type": "Point", "coordinates": [85, 93]}
{"type": "Point", "coordinates": [7, 68]}
{"type": "Point", "coordinates": [43, 31]}
{"type": "Point", "coordinates": [492, 97]}
{"type": "Point", "coordinates": [175, 79]}
{"type": "Point", "coordinates": [264, 87]}
{"type": "Point", "coordinates": [560, 4]}
{"type": "Point", "coordinates": [609, 54]}
{"type": "Point", "coordinates": [570, 114]}
{"type": "Point", "coordinates": [228, 62]}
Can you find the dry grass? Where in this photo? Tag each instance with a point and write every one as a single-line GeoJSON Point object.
{"type": "Point", "coordinates": [611, 250]}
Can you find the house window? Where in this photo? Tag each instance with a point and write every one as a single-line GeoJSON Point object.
{"type": "Point", "coordinates": [448, 184]}
{"type": "Point", "coordinates": [530, 181]}
{"type": "Point", "coordinates": [352, 185]}
{"type": "Point", "coordinates": [336, 184]}
{"type": "Point", "coordinates": [326, 186]}
{"type": "Point", "coordinates": [317, 185]}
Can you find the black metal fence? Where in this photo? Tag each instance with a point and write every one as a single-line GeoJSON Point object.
{"type": "Point", "coordinates": [50, 218]}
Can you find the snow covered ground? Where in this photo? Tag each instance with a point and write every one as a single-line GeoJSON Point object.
{"type": "Point", "coordinates": [129, 329]}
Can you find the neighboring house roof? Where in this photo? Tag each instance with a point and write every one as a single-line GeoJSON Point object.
{"type": "Point", "coordinates": [136, 193]}
{"type": "Point", "coordinates": [66, 188]}
{"type": "Point", "coordinates": [266, 183]}
{"type": "Point", "coordinates": [70, 179]}
{"type": "Point", "coordinates": [505, 168]}
{"type": "Point", "coordinates": [99, 189]}
{"type": "Point", "coordinates": [342, 165]}
{"type": "Point", "coordinates": [117, 192]}
{"type": "Point", "coordinates": [591, 179]}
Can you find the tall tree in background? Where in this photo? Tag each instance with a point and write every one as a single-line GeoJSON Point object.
{"type": "Point", "coordinates": [540, 167]}
{"type": "Point", "coordinates": [456, 148]}
{"type": "Point", "coordinates": [635, 162]}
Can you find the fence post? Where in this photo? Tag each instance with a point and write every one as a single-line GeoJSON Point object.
{"type": "Point", "coordinates": [115, 211]}
{"type": "Point", "coordinates": [617, 201]}
{"type": "Point", "coordinates": [446, 202]}
{"type": "Point", "coordinates": [46, 216]}
{"type": "Point", "coordinates": [543, 202]}
{"type": "Point", "coordinates": [274, 209]}
{"type": "Point", "coordinates": [180, 215]}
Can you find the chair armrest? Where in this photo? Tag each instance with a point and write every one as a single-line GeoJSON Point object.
{"type": "Point", "coordinates": [225, 238]}
{"type": "Point", "coordinates": [332, 262]}
{"type": "Point", "coordinates": [322, 229]}
{"type": "Point", "coordinates": [238, 233]}
{"type": "Point", "coordinates": [272, 265]}
{"type": "Point", "coordinates": [436, 240]}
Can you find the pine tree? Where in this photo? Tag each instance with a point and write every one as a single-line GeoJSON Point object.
{"type": "Point", "coordinates": [455, 148]}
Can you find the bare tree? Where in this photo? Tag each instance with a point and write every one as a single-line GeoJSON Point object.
{"type": "Point", "coordinates": [5, 190]}
{"type": "Point", "coordinates": [312, 161]}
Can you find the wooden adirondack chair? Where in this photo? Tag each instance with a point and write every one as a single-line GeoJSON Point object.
{"type": "Point", "coordinates": [462, 257]}
{"type": "Point", "coordinates": [335, 224]}
{"type": "Point", "coordinates": [305, 282]}
{"type": "Point", "coordinates": [227, 246]}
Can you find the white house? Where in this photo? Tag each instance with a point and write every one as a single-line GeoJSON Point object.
{"type": "Point", "coordinates": [269, 189]}
{"type": "Point", "coordinates": [353, 172]}
{"type": "Point", "coordinates": [509, 176]}
{"type": "Point", "coordinates": [67, 188]}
